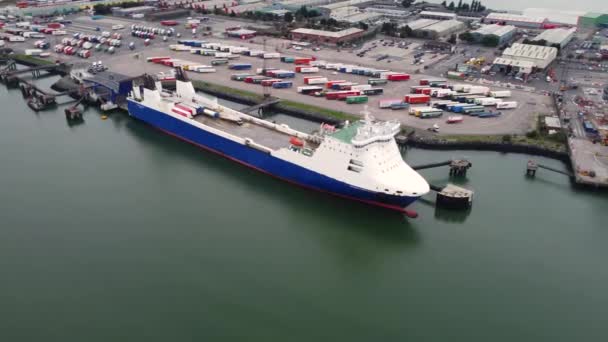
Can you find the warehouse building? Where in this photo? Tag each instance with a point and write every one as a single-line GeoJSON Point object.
{"type": "Point", "coordinates": [504, 33]}
{"type": "Point", "coordinates": [555, 17]}
{"type": "Point", "coordinates": [326, 37]}
{"type": "Point", "coordinates": [525, 58]}
{"type": "Point", "coordinates": [241, 33]}
{"type": "Point", "coordinates": [556, 37]}
{"type": "Point", "coordinates": [129, 12]}
{"type": "Point", "coordinates": [515, 20]}
{"type": "Point", "coordinates": [593, 20]}
{"type": "Point", "coordinates": [327, 10]}
{"type": "Point", "coordinates": [437, 15]}
{"type": "Point", "coordinates": [419, 24]}
{"type": "Point", "coordinates": [387, 12]}
{"type": "Point", "coordinates": [440, 29]}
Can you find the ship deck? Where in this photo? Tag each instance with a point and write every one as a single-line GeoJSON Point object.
{"type": "Point", "coordinates": [259, 134]}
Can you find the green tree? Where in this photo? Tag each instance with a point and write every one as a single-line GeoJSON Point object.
{"type": "Point", "coordinates": [363, 26]}
{"type": "Point", "coordinates": [405, 32]}
{"type": "Point", "coordinates": [444, 4]}
{"type": "Point", "coordinates": [452, 39]}
{"type": "Point", "coordinates": [232, 14]}
{"type": "Point", "coordinates": [288, 17]}
{"type": "Point", "coordinates": [459, 7]}
{"type": "Point", "coordinates": [451, 6]}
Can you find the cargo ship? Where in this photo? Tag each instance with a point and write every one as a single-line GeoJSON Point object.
{"type": "Point", "coordinates": [360, 161]}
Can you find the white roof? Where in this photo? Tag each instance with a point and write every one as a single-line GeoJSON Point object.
{"type": "Point", "coordinates": [495, 29]}
{"type": "Point", "coordinates": [555, 16]}
{"type": "Point", "coordinates": [438, 14]}
{"type": "Point", "coordinates": [445, 25]}
{"type": "Point", "coordinates": [421, 23]}
{"type": "Point", "coordinates": [529, 51]}
{"type": "Point", "coordinates": [328, 34]}
{"type": "Point", "coordinates": [364, 16]}
{"type": "Point", "coordinates": [552, 122]}
{"type": "Point", "coordinates": [556, 36]}
{"type": "Point", "coordinates": [515, 17]}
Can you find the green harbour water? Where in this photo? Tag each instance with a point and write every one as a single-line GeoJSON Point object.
{"type": "Point", "coordinates": [112, 231]}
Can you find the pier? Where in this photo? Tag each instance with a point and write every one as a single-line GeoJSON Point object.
{"type": "Point", "coordinates": [450, 195]}
{"type": "Point", "coordinates": [532, 167]}
{"type": "Point", "coordinates": [458, 167]}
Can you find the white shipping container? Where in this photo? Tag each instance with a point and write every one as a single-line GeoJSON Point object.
{"type": "Point", "coordinates": [500, 93]}
{"type": "Point", "coordinates": [59, 33]}
{"type": "Point", "coordinates": [223, 54]}
{"type": "Point", "coordinates": [478, 90]}
{"type": "Point", "coordinates": [271, 55]}
{"type": "Point", "coordinates": [205, 70]}
{"type": "Point", "coordinates": [309, 70]}
{"type": "Point", "coordinates": [384, 75]}
{"type": "Point", "coordinates": [238, 49]}
{"type": "Point", "coordinates": [361, 87]}
{"type": "Point", "coordinates": [320, 80]}
{"type": "Point", "coordinates": [15, 39]}
{"type": "Point", "coordinates": [487, 101]}
{"type": "Point", "coordinates": [506, 105]}
{"type": "Point", "coordinates": [461, 88]}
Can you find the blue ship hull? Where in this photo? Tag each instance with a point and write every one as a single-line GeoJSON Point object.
{"type": "Point", "coordinates": [262, 161]}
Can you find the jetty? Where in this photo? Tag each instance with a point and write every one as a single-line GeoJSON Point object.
{"type": "Point", "coordinates": [259, 108]}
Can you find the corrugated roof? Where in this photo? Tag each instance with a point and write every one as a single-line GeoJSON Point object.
{"type": "Point", "coordinates": [529, 51]}
{"type": "Point", "coordinates": [438, 14]}
{"type": "Point", "coordinates": [555, 16]}
{"type": "Point", "coordinates": [555, 36]}
{"type": "Point", "coordinates": [421, 23]}
{"type": "Point", "coordinates": [495, 29]}
{"type": "Point", "coordinates": [445, 25]}
{"type": "Point", "coordinates": [515, 17]}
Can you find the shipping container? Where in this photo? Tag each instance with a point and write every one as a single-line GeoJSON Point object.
{"type": "Point", "coordinates": [386, 103]}
{"type": "Point", "coordinates": [474, 109]}
{"type": "Point", "coordinates": [398, 77]}
{"type": "Point", "coordinates": [302, 61]}
{"type": "Point", "coordinates": [487, 101]}
{"type": "Point", "coordinates": [316, 80]}
{"type": "Point", "coordinates": [455, 75]}
{"type": "Point", "coordinates": [399, 105]}
{"type": "Point", "coordinates": [431, 114]}
{"type": "Point", "coordinates": [373, 91]}
{"type": "Point", "coordinates": [241, 66]}
{"type": "Point", "coordinates": [506, 105]}
{"type": "Point", "coordinates": [417, 98]}
{"type": "Point", "coordinates": [33, 52]}
{"type": "Point", "coordinates": [219, 61]}
{"type": "Point", "coordinates": [271, 55]}
{"type": "Point", "coordinates": [287, 59]}
{"type": "Point", "coordinates": [479, 90]}
{"type": "Point", "coordinates": [500, 93]}
{"type": "Point", "coordinates": [306, 70]}
{"type": "Point", "coordinates": [309, 89]}
{"type": "Point", "coordinates": [356, 99]}
{"type": "Point", "coordinates": [329, 84]}
{"type": "Point", "coordinates": [342, 86]}
{"type": "Point", "coordinates": [377, 81]}
{"type": "Point", "coordinates": [269, 82]}
{"type": "Point", "coordinates": [361, 87]}
{"type": "Point", "coordinates": [336, 95]}
{"type": "Point", "coordinates": [459, 108]}
{"type": "Point", "coordinates": [282, 84]}
{"type": "Point", "coordinates": [240, 77]}
{"type": "Point", "coordinates": [488, 114]}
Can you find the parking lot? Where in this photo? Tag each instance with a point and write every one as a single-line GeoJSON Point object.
{"type": "Point", "coordinates": [512, 121]}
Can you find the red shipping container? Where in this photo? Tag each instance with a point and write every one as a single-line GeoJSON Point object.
{"type": "Point", "coordinates": [54, 25]}
{"type": "Point", "coordinates": [417, 98]}
{"type": "Point", "coordinates": [308, 78]}
{"type": "Point", "coordinates": [398, 77]}
{"type": "Point", "coordinates": [424, 82]}
{"type": "Point", "coordinates": [334, 95]}
{"type": "Point", "coordinates": [248, 80]}
{"type": "Point", "coordinates": [331, 83]}
{"type": "Point", "coordinates": [302, 61]}
{"type": "Point", "coordinates": [427, 91]}
{"type": "Point", "coordinates": [269, 83]}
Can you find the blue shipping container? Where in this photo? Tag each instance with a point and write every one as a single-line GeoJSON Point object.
{"type": "Point", "coordinates": [240, 66]}
{"type": "Point", "coordinates": [282, 85]}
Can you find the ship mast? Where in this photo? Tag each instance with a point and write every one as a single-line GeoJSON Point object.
{"type": "Point", "coordinates": [266, 88]}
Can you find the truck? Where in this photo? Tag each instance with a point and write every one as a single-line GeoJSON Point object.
{"type": "Point", "coordinates": [307, 70]}
{"type": "Point", "coordinates": [372, 91]}
{"type": "Point", "coordinates": [219, 61]}
{"type": "Point", "coordinates": [240, 77]}
{"type": "Point", "coordinates": [330, 84]}
{"type": "Point", "coordinates": [335, 95]}
{"type": "Point", "coordinates": [506, 105]}
{"type": "Point", "coordinates": [361, 87]}
{"type": "Point", "coordinates": [456, 75]}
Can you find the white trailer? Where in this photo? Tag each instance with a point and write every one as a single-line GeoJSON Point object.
{"type": "Point", "coordinates": [309, 70]}
{"type": "Point", "coordinates": [500, 93]}
{"type": "Point", "coordinates": [506, 105]}
{"type": "Point", "coordinates": [478, 90]}
{"type": "Point", "coordinates": [487, 101]}
{"type": "Point", "coordinates": [270, 55]}
{"type": "Point", "coordinates": [319, 80]}
{"type": "Point", "coordinates": [361, 87]}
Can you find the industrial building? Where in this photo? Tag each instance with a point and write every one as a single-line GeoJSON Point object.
{"type": "Point", "coordinates": [387, 12]}
{"type": "Point", "coordinates": [504, 33]}
{"type": "Point", "coordinates": [593, 20]}
{"type": "Point", "coordinates": [555, 17]}
{"type": "Point", "coordinates": [525, 58]}
{"type": "Point", "coordinates": [515, 20]}
{"type": "Point", "coordinates": [440, 29]}
{"type": "Point", "coordinates": [437, 15]}
{"type": "Point", "coordinates": [241, 33]}
{"type": "Point", "coordinates": [556, 37]}
{"type": "Point", "coordinates": [129, 12]}
{"type": "Point", "coordinates": [326, 37]}
{"type": "Point", "coordinates": [352, 15]}
{"type": "Point", "coordinates": [420, 24]}
{"type": "Point", "coordinates": [327, 10]}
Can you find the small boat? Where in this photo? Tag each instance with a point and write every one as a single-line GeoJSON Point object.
{"type": "Point", "coordinates": [454, 119]}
